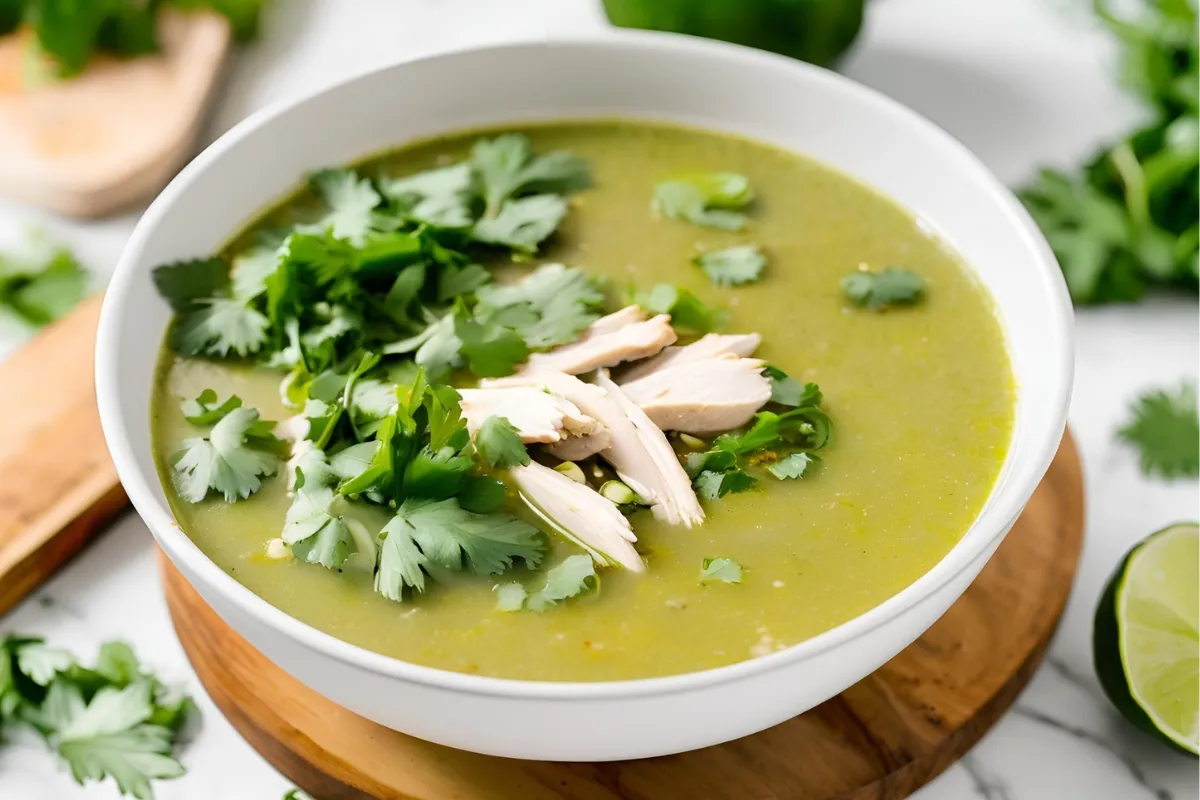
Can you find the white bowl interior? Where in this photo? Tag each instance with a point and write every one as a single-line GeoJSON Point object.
{"type": "Point", "coordinates": [637, 75]}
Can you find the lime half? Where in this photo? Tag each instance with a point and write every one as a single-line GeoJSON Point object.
{"type": "Point", "coordinates": [1145, 640]}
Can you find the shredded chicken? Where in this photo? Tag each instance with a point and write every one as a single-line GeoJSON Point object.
{"type": "Point", "coordinates": [676, 502]}
{"type": "Point", "coordinates": [638, 451]}
{"type": "Point", "coordinates": [708, 346]}
{"type": "Point", "coordinates": [579, 513]}
{"type": "Point", "coordinates": [704, 396]}
{"type": "Point", "coordinates": [538, 416]}
{"type": "Point", "coordinates": [625, 335]}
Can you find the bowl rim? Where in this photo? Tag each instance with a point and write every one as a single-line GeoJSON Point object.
{"type": "Point", "coordinates": [1017, 487]}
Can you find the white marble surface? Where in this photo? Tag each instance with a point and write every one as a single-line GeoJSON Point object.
{"type": "Point", "coordinates": [1021, 82]}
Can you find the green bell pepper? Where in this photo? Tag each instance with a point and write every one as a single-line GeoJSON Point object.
{"type": "Point", "coordinates": [812, 30]}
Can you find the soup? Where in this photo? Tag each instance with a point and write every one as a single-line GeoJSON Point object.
{"type": "Point", "coordinates": [916, 382]}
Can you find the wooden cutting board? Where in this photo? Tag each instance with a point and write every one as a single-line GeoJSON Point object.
{"type": "Point", "coordinates": [881, 739]}
{"type": "Point", "coordinates": [57, 483]}
{"type": "Point", "coordinates": [114, 135]}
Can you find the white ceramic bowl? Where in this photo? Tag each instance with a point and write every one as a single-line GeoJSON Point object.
{"type": "Point", "coordinates": [652, 76]}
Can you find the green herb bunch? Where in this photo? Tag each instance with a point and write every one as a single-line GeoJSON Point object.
{"type": "Point", "coordinates": [71, 32]}
{"type": "Point", "coordinates": [1130, 217]}
{"type": "Point", "coordinates": [109, 719]}
{"type": "Point", "coordinates": [367, 309]}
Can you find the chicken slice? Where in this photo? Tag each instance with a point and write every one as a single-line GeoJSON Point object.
{"type": "Point", "coordinates": [625, 335]}
{"type": "Point", "coordinates": [705, 396]}
{"type": "Point", "coordinates": [580, 514]}
{"type": "Point", "coordinates": [676, 502]}
{"type": "Point", "coordinates": [708, 346]}
{"type": "Point", "coordinates": [538, 416]}
{"type": "Point", "coordinates": [635, 450]}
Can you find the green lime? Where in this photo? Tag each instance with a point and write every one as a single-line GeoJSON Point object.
{"type": "Point", "coordinates": [1145, 641]}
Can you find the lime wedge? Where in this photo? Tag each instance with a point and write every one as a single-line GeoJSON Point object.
{"type": "Point", "coordinates": [1145, 641]}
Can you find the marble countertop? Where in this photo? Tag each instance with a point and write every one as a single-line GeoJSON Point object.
{"type": "Point", "coordinates": [1021, 82]}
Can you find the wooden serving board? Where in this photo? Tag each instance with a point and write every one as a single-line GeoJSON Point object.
{"type": "Point", "coordinates": [880, 739]}
{"type": "Point", "coordinates": [99, 142]}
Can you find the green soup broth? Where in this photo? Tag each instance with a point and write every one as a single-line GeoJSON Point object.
{"type": "Point", "coordinates": [922, 399]}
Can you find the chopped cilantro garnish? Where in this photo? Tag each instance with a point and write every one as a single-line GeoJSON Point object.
{"type": "Point", "coordinates": [733, 266]}
{"type": "Point", "coordinates": [205, 410]}
{"type": "Point", "coordinates": [787, 391]}
{"type": "Point", "coordinates": [688, 312]}
{"type": "Point", "coordinates": [714, 200]}
{"type": "Point", "coordinates": [490, 349]}
{"type": "Point", "coordinates": [1164, 429]}
{"type": "Point", "coordinates": [711, 485]}
{"type": "Point", "coordinates": [313, 529]}
{"type": "Point", "coordinates": [110, 719]}
{"type": "Point", "coordinates": [350, 201]}
{"type": "Point", "coordinates": [499, 444]}
{"type": "Point", "coordinates": [230, 460]}
{"type": "Point", "coordinates": [782, 442]}
{"type": "Point", "coordinates": [877, 291]}
{"type": "Point", "coordinates": [723, 570]}
{"type": "Point", "coordinates": [507, 168]}
{"type": "Point", "coordinates": [551, 306]}
{"type": "Point", "coordinates": [570, 578]}
{"type": "Point", "coordinates": [522, 224]}
{"type": "Point", "coordinates": [793, 465]}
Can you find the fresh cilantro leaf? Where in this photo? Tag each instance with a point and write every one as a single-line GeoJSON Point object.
{"type": "Point", "coordinates": [522, 224]}
{"type": "Point", "coordinates": [499, 444]}
{"type": "Point", "coordinates": [313, 529]}
{"type": "Point", "coordinates": [41, 663]}
{"type": "Point", "coordinates": [205, 410]}
{"type": "Point", "coordinates": [230, 460]}
{"type": "Point", "coordinates": [401, 562]}
{"type": "Point", "coordinates": [787, 391]}
{"type": "Point", "coordinates": [456, 539]}
{"type": "Point", "coordinates": [348, 464]}
{"type": "Point", "coordinates": [298, 794]}
{"type": "Point", "coordinates": [371, 400]}
{"type": "Point", "coordinates": [117, 662]}
{"type": "Point", "coordinates": [712, 485]}
{"type": "Point", "coordinates": [572, 577]}
{"type": "Point", "coordinates": [441, 350]}
{"type": "Point", "coordinates": [763, 433]}
{"type": "Point", "coordinates": [713, 199]}
{"type": "Point", "coordinates": [507, 168]}
{"type": "Point", "coordinates": [42, 282]}
{"type": "Point", "coordinates": [436, 474]}
{"type": "Point", "coordinates": [454, 281]}
{"type": "Point", "coordinates": [250, 271]}
{"type": "Point", "coordinates": [712, 461]}
{"type": "Point", "coordinates": [793, 465]}
{"type": "Point", "coordinates": [219, 326]}
{"type": "Point", "coordinates": [351, 201]}
{"type": "Point", "coordinates": [491, 350]}
{"type": "Point", "coordinates": [184, 284]}
{"type": "Point", "coordinates": [877, 291]}
{"type": "Point", "coordinates": [1164, 429]}
{"type": "Point", "coordinates": [724, 570]}
{"type": "Point", "coordinates": [438, 197]}
{"type": "Point", "coordinates": [733, 266]}
{"type": "Point", "coordinates": [482, 495]}
{"type": "Point", "coordinates": [552, 306]}
{"type": "Point", "coordinates": [111, 736]}
{"type": "Point", "coordinates": [688, 312]}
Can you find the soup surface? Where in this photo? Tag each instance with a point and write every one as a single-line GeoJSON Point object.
{"type": "Point", "coordinates": [922, 399]}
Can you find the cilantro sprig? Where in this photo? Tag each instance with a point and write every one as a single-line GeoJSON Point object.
{"type": "Point", "coordinates": [42, 282]}
{"type": "Point", "coordinates": [1163, 426]}
{"type": "Point", "coordinates": [1128, 219]}
{"type": "Point", "coordinates": [112, 719]}
{"type": "Point", "coordinates": [711, 200]}
{"type": "Point", "coordinates": [879, 291]}
{"type": "Point", "coordinates": [733, 266]}
{"type": "Point", "coordinates": [782, 441]}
